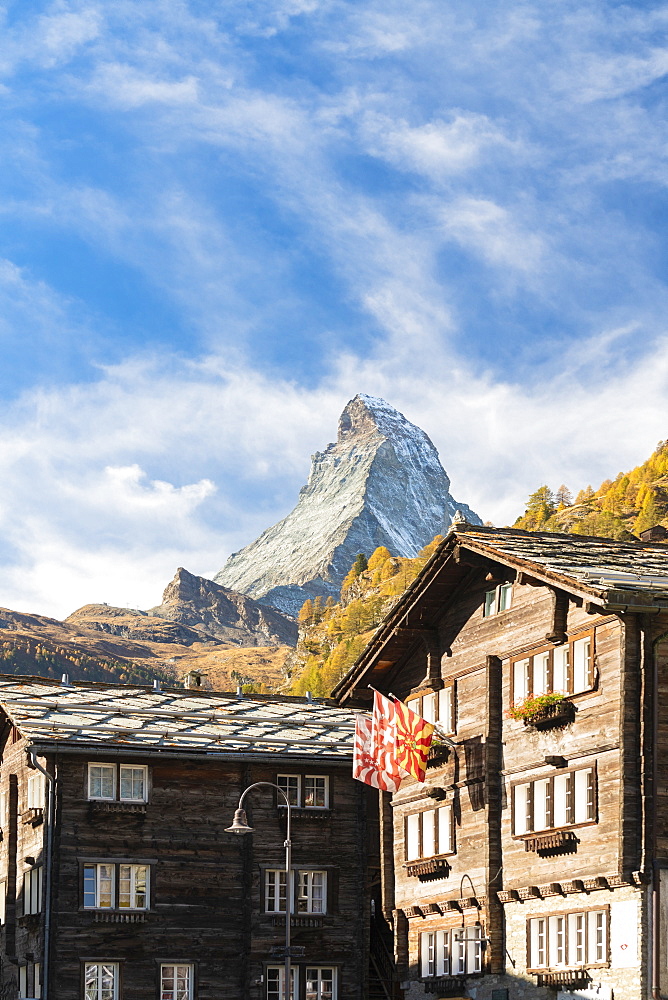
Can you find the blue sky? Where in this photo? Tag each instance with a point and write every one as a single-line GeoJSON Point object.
{"type": "Point", "coordinates": [218, 222]}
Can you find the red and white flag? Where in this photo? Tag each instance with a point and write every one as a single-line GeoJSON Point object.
{"type": "Point", "coordinates": [383, 742]}
{"type": "Point", "coordinates": [365, 765]}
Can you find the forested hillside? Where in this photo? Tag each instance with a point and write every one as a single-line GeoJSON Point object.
{"type": "Point", "coordinates": [619, 508]}
{"type": "Point", "coordinates": [332, 635]}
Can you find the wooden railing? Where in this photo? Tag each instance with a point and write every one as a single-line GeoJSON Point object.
{"type": "Point", "coordinates": [382, 962]}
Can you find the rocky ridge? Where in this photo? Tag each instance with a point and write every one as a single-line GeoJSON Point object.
{"type": "Point", "coordinates": [381, 483]}
{"type": "Point", "coordinates": [204, 607]}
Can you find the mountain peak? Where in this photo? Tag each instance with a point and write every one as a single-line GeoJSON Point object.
{"type": "Point", "coordinates": [381, 483]}
{"type": "Point", "coordinates": [370, 414]}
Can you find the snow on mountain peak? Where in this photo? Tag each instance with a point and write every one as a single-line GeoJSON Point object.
{"type": "Point", "coordinates": [381, 483]}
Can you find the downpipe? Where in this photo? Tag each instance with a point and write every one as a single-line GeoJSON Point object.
{"type": "Point", "coordinates": [50, 817]}
{"type": "Point", "coordinates": [656, 870]}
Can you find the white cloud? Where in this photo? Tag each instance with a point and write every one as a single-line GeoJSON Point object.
{"type": "Point", "coordinates": [438, 148]}
{"type": "Point", "coordinates": [493, 233]}
{"type": "Point", "coordinates": [107, 488]}
{"type": "Point", "coordinates": [126, 87]}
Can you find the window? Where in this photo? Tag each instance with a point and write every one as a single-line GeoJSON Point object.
{"type": "Point", "coordinates": [429, 833]}
{"type": "Point", "coordinates": [550, 803]}
{"type": "Point", "coordinates": [133, 783]}
{"type": "Point", "coordinates": [291, 785]}
{"type": "Point", "coordinates": [453, 952]}
{"type": "Point", "coordinates": [125, 782]}
{"type": "Point", "coordinates": [568, 940]}
{"type": "Point", "coordinates": [101, 981]}
{"type": "Point", "coordinates": [565, 669]}
{"type": "Point", "coordinates": [32, 890]}
{"type": "Point", "coordinates": [437, 706]}
{"type": "Point", "coordinates": [276, 982]}
{"type": "Point", "coordinates": [3, 902]}
{"type": "Point", "coordinates": [315, 790]}
{"type": "Point", "coordinates": [100, 881]}
{"type": "Point", "coordinates": [498, 599]}
{"type": "Point", "coordinates": [35, 796]}
{"type": "Point", "coordinates": [310, 890]}
{"type": "Point", "coordinates": [320, 983]}
{"type": "Point", "coordinates": [176, 982]}
{"type": "Point", "coordinates": [132, 887]}
{"type": "Point", "coordinates": [30, 981]}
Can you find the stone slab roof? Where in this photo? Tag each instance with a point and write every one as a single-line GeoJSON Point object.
{"type": "Point", "coordinates": [141, 718]}
{"type": "Point", "coordinates": [601, 563]}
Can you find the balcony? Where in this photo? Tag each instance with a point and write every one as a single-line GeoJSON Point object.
{"type": "Point", "coordinates": [556, 714]}
{"type": "Point", "coordinates": [429, 869]}
{"type": "Point", "coordinates": [559, 842]}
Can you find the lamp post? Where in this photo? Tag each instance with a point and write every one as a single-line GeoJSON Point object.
{"type": "Point", "coordinates": [240, 826]}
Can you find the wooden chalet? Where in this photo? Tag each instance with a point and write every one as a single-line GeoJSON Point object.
{"type": "Point", "coordinates": [533, 861]}
{"type": "Point", "coordinates": [117, 878]}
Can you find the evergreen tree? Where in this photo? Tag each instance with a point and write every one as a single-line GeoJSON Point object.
{"type": "Point", "coordinates": [360, 564]}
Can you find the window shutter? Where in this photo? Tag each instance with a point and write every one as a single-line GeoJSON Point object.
{"type": "Point", "coordinates": [560, 805]}
{"type": "Point", "coordinates": [521, 809]}
{"type": "Point", "coordinates": [444, 829]}
{"type": "Point", "coordinates": [412, 837]}
{"type": "Point", "coordinates": [428, 833]}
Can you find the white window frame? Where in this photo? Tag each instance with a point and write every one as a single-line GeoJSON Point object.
{"type": "Point", "coordinates": [319, 969]}
{"type": "Point", "coordinates": [555, 802]}
{"type": "Point", "coordinates": [426, 828]}
{"type": "Point", "coordinates": [437, 706]}
{"type": "Point", "coordinates": [317, 777]}
{"type": "Point", "coordinates": [32, 889]}
{"type": "Point", "coordinates": [274, 890]}
{"type": "Point", "coordinates": [574, 939]}
{"type": "Point", "coordinates": [28, 990]}
{"type": "Point", "coordinates": [35, 791]}
{"type": "Point", "coordinates": [191, 981]}
{"type": "Point", "coordinates": [117, 776]}
{"type": "Point", "coordinates": [3, 902]}
{"type": "Point", "coordinates": [99, 993]}
{"type": "Point", "coordinates": [450, 951]}
{"type": "Point", "coordinates": [133, 767]}
{"type": "Point", "coordinates": [133, 871]}
{"type": "Point", "coordinates": [275, 975]}
{"type": "Point", "coordinates": [305, 879]}
{"type": "Point", "coordinates": [100, 877]}
{"type": "Point", "coordinates": [102, 798]}
{"type": "Point", "coordinates": [564, 669]}
{"type": "Point", "coordinates": [300, 781]}
{"type": "Point", "coordinates": [291, 777]}
{"type": "Point", "coordinates": [498, 599]}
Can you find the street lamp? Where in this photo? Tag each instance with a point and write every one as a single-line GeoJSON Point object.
{"type": "Point", "coordinates": [240, 826]}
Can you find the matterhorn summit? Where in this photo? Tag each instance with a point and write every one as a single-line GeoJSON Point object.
{"type": "Point", "coordinates": [382, 483]}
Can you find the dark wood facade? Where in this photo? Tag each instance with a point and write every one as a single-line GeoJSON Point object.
{"type": "Point", "coordinates": [553, 876]}
{"type": "Point", "coordinates": [182, 910]}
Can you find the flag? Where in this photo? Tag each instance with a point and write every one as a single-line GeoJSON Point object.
{"type": "Point", "coordinates": [365, 765]}
{"type": "Point", "coordinates": [413, 739]}
{"type": "Point", "coordinates": [383, 743]}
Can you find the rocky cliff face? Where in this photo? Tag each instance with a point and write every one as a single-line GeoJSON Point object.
{"type": "Point", "coordinates": [214, 611]}
{"type": "Point", "coordinates": [382, 483]}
